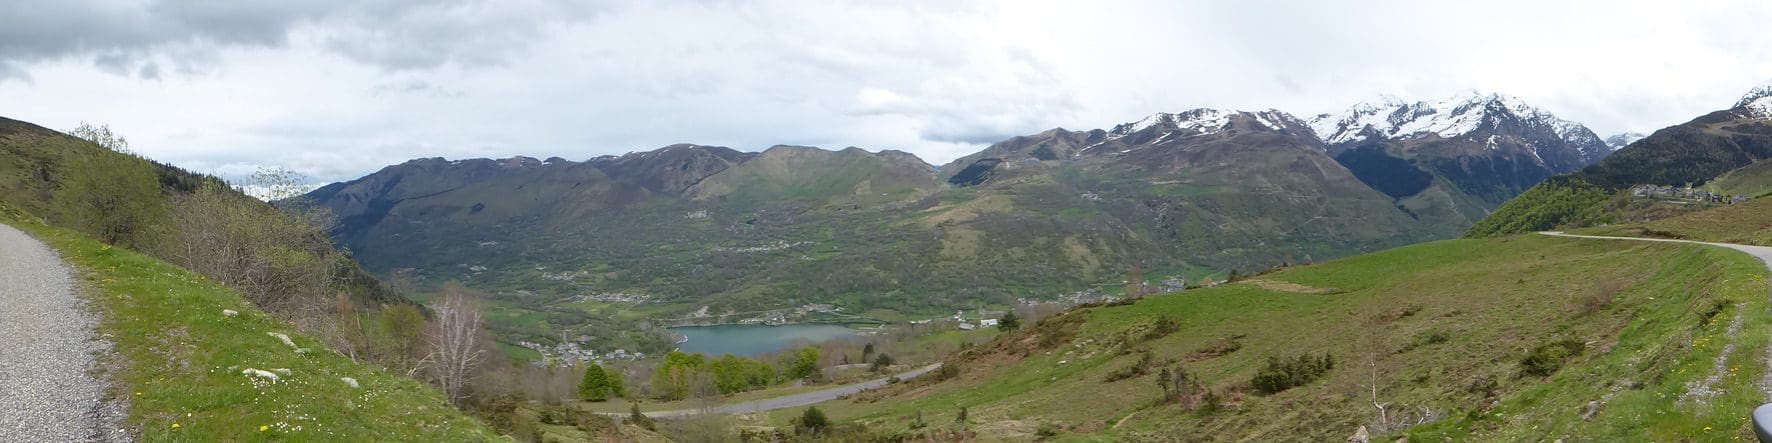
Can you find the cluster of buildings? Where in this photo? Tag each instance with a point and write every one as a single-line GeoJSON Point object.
{"type": "Point", "coordinates": [785, 316]}
{"type": "Point", "coordinates": [612, 297]}
{"type": "Point", "coordinates": [570, 353]}
{"type": "Point", "coordinates": [1686, 193]}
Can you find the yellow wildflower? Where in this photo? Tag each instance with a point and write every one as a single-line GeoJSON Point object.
{"type": "Point", "coordinates": [262, 428]}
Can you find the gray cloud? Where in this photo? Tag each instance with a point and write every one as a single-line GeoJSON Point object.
{"type": "Point", "coordinates": [392, 34]}
{"type": "Point", "coordinates": [338, 88]}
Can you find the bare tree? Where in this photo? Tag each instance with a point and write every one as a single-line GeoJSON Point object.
{"type": "Point", "coordinates": [454, 341]}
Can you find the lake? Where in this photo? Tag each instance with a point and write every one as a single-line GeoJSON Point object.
{"type": "Point", "coordinates": [754, 340]}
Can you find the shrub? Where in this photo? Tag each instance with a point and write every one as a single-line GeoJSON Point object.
{"type": "Point", "coordinates": [881, 363]}
{"type": "Point", "coordinates": [1138, 369]}
{"type": "Point", "coordinates": [1216, 348]}
{"type": "Point", "coordinates": [1284, 373]}
{"type": "Point", "coordinates": [1547, 359]}
{"type": "Point", "coordinates": [1600, 297]}
{"type": "Point", "coordinates": [948, 371]}
{"type": "Point", "coordinates": [811, 422]}
{"type": "Point", "coordinates": [640, 419]}
{"type": "Point", "coordinates": [1164, 326]}
{"type": "Point", "coordinates": [1433, 337]}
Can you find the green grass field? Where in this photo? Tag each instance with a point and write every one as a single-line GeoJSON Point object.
{"type": "Point", "coordinates": [1440, 329]}
{"type": "Point", "coordinates": [182, 362]}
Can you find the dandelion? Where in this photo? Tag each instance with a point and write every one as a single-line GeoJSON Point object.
{"type": "Point", "coordinates": [262, 428]}
{"type": "Point", "coordinates": [175, 426]}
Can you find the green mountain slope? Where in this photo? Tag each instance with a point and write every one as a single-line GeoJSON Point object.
{"type": "Point", "coordinates": [1522, 339]}
{"type": "Point", "coordinates": [1692, 153]}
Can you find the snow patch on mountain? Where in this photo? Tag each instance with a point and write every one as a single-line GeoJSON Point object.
{"type": "Point", "coordinates": [1203, 121]}
{"type": "Point", "coordinates": [1447, 118]}
{"type": "Point", "coordinates": [1757, 102]}
{"type": "Point", "coordinates": [1619, 141]}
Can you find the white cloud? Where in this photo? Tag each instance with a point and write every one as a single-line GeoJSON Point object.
{"type": "Point", "coordinates": [339, 89]}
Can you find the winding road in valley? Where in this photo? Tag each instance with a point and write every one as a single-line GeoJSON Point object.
{"type": "Point", "coordinates": [47, 351]}
{"type": "Point", "coordinates": [789, 401]}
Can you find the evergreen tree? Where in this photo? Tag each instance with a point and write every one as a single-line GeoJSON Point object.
{"type": "Point", "coordinates": [618, 388]}
{"type": "Point", "coordinates": [1009, 321]}
{"type": "Point", "coordinates": [595, 384]}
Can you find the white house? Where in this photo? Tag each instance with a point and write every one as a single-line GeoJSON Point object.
{"type": "Point", "coordinates": [967, 326]}
{"type": "Point", "coordinates": [987, 323]}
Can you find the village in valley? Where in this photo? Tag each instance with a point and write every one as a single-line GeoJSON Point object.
{"type": "Point", "coordinates": [1685, 195]}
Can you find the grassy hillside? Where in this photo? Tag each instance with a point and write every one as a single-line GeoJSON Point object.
{"type": "Point", "coordinates": [1753, 180]}
{"type": "Point", "coordinates": [181, 361]}
{"type": "Point", "coordinates": [1748, 223]}
{"type": "Point", "coordinates": [1442, 331]}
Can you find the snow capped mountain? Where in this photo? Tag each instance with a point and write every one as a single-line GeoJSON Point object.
{"type": "Point", "coordinates": [1206, 121]}
{"type": "Point", "coordinates": [1495, 121]}
{"type": "Point", "coordinates": [1757, 103]}
{"type": "Point", "coordinates": [1619, 141]}
{"type": "Point", "coordinates": [1447, 118]}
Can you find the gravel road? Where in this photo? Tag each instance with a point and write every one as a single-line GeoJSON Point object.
{"type": "Point", "coordinates": [47, 351]}
{"type": "Point", "coordinates": [790, 401]}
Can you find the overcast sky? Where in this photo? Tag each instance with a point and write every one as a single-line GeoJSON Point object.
{"type": "Point", "coordinates": [338, 89]}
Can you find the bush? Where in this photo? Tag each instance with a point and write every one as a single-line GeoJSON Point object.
{"type": "Point", "coordinates": [1547, 359]}
{"type": "Point", "coordinates": [1284, 373]}
{"type": "Point", "coordinates": [1138, 369]}
{"type": "Point", "coordinates": [811, 422]}
{"type": "Point", "coordinates": [1433, 337]}
{"type": "Point", "coordinates": [1164, 326]}
{"type": "Point", "coordinates": [640, 419]}
{"type": "Point", "coordinates": [881, 363]}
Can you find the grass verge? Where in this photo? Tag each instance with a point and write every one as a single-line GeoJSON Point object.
{"type": "Point", "coordinates": [182, 361]}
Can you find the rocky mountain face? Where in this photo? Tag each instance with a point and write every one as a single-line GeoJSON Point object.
{"type": "Point", "coordinates": [1482, 149]}
{"type": "Point", "coordinates": [1691, 153]}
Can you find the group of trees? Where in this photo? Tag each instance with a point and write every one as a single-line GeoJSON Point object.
{"type": "Point", "coordinates": [277, 255]}
{"type": "Point", "coordinates": [683, 375]}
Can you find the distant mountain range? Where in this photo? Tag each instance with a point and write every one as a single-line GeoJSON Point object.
{"type": "Point", "coordinates": [1191, 194]}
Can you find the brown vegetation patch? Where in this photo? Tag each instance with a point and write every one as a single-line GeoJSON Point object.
{"type": "Point", "coordinates": [1284, 286]}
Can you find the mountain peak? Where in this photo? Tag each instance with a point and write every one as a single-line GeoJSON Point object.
{"type": "Point", "coordinates": [1204, 121]}
{"type": "Point", "coordinates": [1758, 102]}
{"type": "Point", "coordinates": [1619, 141]}
{"type": "Point", "coordinates": [1453, 116]}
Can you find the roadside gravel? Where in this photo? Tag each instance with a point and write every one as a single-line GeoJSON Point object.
{"type": "Point", "coordinates": [48, 352]}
